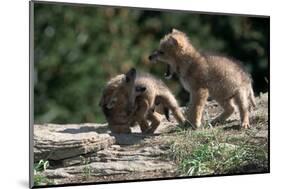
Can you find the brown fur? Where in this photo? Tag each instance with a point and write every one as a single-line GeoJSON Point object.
{"type": "Point", "coordinates": [206, 75]}
{"type": "Point", "coordinates": [124, 104]}
{"type": "Point", "coordinates": [149, 92]}
{"type": "Point", "coordinates": [116, 116]}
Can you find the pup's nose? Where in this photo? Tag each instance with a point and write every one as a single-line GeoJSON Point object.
{"type": "Point", "coordinates": [150, 57]}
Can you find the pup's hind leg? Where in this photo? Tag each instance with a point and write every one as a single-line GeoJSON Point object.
{"type": "Point", "coordinates": [228, 108]}
{"type": "Point", "coordinates": [155, 119]}
{"type": "Point", "coordinates": [141, 113]}
{"type": "Point", "coordinates": [143, 125]}
{"type": "Point", "coordinates": [241, 99]}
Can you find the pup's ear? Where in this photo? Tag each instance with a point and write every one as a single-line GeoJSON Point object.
{"type": "Point", "coordinates": [131, 75]}
{"type": "Point", "coordinates": [140, 89]}
{"type": "Point", "coordinates": [176, 31]}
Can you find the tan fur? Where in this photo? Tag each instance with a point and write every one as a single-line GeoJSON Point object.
{"type": "Point", "coordinates": [116, 115]}
{"type": "Point", "coordinates": [206, 75]}
{"type": "Point", "coordinates": [155, 93]}
{"type": "Point", "coordinates": [123, 106]}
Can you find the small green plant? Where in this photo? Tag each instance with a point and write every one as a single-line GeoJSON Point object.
{"type": "Point", "coordinates": [87, 172]}
{"type": "Point", "coordinates": [42, 165]}
{"type": "Point", "coordinates": [85, 160]}
{"type": "Point", "coordinates": [40, 179]}
{"type": "Point", "coordinates": [87, 168]}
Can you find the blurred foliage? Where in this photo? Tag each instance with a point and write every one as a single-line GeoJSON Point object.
{"type": "Point", "coordinates": [78, 48]}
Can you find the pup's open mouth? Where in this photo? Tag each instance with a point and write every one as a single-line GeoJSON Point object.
{"type": "Point", "coordinates": [168, 74]}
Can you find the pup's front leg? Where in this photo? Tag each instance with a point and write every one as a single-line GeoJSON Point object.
{"type": "Point", "coordinates": [195, 112]}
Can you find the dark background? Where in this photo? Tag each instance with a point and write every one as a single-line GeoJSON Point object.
{"type": "Point", "coordinates": [78, 48]}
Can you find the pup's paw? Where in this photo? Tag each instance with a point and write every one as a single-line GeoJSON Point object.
{"type": "Point", "coordinates": [245, 125]}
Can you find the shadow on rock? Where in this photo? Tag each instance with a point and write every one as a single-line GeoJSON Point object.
{"type": "Point", "coordinates": [130, 139]}
{"type": "Point", "coordinates": [85, 129]}
{"type": "Point", "coordinates": [232, 127]}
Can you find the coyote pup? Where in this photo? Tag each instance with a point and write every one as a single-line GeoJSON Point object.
{"type": "Point", "coordinates": [205, 74]}
{"type": "Point", "coordinates": [114, 104]}
{"type": "Point", "coordinates": [148, 92]}
{"type": "Point", "coordinates": [130, 98]}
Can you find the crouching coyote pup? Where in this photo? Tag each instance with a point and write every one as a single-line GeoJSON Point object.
{"type": "Point", "coordinates": [205, 74]}
{"type": "Point", "coordinates": [114, 104]}
{"type": "Point", "coordinates": [146, 93]}
{"type": "Point", "coordinates": [125, 100]}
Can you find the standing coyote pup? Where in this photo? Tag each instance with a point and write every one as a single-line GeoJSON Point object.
{"type": "Point", "coordinates": [203, 75]}
{"type": "Point", "coordinates": [148, 92]}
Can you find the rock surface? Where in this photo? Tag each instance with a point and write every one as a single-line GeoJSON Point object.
{"type": "Point", "coordinates": [90, 153]}
{"type": "Point", "coordinates": [56, 142]}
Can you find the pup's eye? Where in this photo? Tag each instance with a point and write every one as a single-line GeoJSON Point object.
{"type": "Point", "coordinates": [161, 52]}
{"type": "Point", "coordinates": [140, 88]}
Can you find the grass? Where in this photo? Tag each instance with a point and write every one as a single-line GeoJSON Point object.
{"type": "Point", "coordinates": [216, 151]}
{"type": "Point", "coordinates": [223, 149]}
{"type": "Point", "coordinates": [39, 178]}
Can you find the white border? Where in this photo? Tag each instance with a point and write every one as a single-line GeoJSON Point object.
{"type": "Point", "coordinates": [14, 91]}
